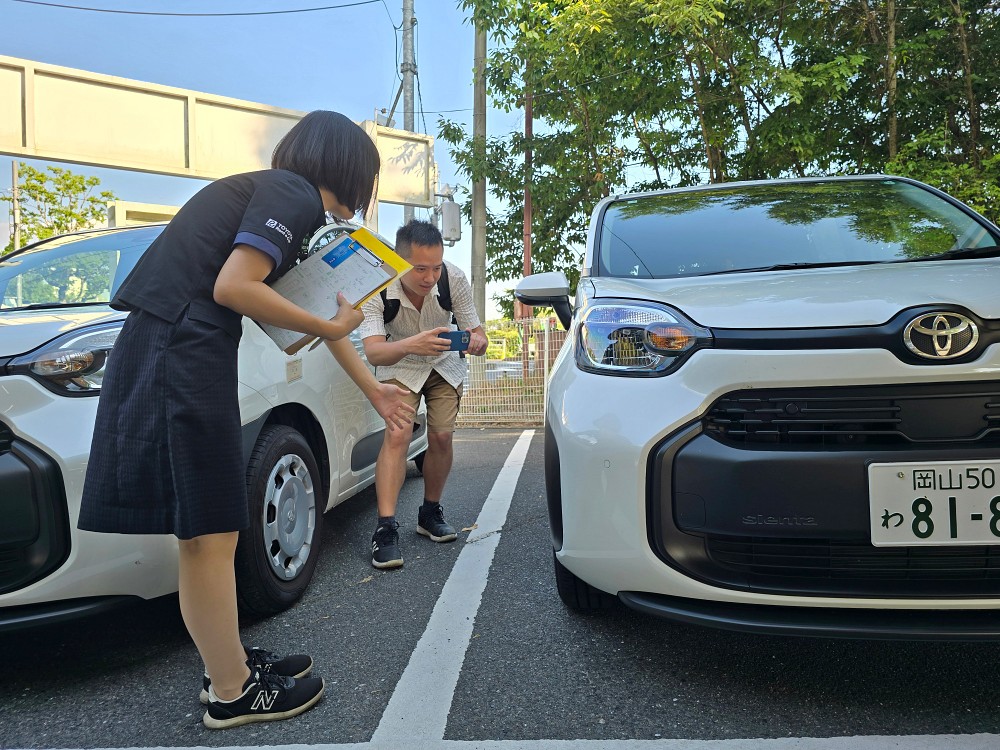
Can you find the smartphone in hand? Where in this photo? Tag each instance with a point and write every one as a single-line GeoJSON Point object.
{"type": "Point", "coordinates": [459, 340]}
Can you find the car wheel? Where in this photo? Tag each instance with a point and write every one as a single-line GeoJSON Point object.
{"type": "Point", "coordinates": [419, 461]}
{"type": "Point", "coordinates": [276, 556]}
{"type": "Point", "coordinates": [580, 596]}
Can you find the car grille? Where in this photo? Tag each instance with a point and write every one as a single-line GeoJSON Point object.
{"type": "Point", "coordinates": [34, 532]}
{"type": "Point", "coordinates": [855, 567]}
{"type": "Point", "coordinates": [944, 413]}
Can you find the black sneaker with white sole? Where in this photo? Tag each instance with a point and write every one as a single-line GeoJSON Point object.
{"type": "Point", "coordinates": [293, 665]}
{"type": "Point", "coordinates": [385, 547]}
{"type": "Point", "coordinates": [266, 697]}
{"type": "Point", "coordinates": [431, 523]}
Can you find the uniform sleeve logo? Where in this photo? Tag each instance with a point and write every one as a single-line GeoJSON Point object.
{"type": "Point", "coordinates": [280, 228]}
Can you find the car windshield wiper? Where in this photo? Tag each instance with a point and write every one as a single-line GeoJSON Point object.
{"type": "Point", "coordinates": [965, 252]}
{"type": "Point", "coordinates": [50, 305]}
{"type": "Point", "coordinates": [793, 266]}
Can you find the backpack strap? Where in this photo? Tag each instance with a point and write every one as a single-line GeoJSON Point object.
{"type": "Point", "coordinates": [444, 291]}
{"type": "Point", "coordinates": [444, 297]}
{"type": "Point", "coordinates": [390, 307]}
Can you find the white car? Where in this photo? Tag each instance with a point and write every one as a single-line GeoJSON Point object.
{"type": "Point", "coordinates": [310, 437]}
{"type": "Point", "coordinates": [778, 410]}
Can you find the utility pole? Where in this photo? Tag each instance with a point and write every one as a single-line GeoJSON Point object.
{"type": "Point", "coordinates": [408, 68]}
{"type": "Point", "coordinates": [479, 186]}
{"type": "Point", "coordinates": [16, 205]}
{"type": "Point", "coordinates": [526, 311]}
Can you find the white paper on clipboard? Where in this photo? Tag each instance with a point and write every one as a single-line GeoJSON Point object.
{"type": "Point", "coordinates": [342, 264]}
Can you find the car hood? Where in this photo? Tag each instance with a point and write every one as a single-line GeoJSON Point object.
{"type": "Point", "coordinates": [818, 297]}
{"type": "Point", "coordinates": [24, 330]}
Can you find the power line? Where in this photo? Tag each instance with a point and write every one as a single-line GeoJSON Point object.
{"type": "Point", "coordinates": [397, 28]}
{"type": "Point", "coordinates": [538, 95]}
{"type": "Point", "coordinates": [420, 99]}
{"type": "Point", "coordinates": [395, 42]}
{"type": "Point", "coordinates": [416, 75]}
{"type": "Point", "coordinates": [202, 15]}
{"type": "Point", "coordinates": [444, 111]}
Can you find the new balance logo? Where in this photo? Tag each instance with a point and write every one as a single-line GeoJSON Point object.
{"type": "Point", "coordinates": [265, 700]}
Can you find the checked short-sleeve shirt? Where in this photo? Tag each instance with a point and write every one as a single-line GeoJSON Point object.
{"type": "Point", "coordinates": [412, 370]}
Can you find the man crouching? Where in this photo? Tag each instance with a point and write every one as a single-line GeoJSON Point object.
{"type": "Point", "coordinates": [401, 335]}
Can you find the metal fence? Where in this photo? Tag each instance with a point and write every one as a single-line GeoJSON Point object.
{"type": "Point", "coordinates": [507, 386]}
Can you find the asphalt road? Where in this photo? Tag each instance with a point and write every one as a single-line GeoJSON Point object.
{"type": "Point", "coordinates": [532, 670]}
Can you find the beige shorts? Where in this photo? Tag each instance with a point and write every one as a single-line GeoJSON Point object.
{"type": "Point", "coordinates": [442, 401]}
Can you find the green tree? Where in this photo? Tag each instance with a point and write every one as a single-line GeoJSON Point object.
{"type": "Point", "coordinates": [649, 94]}
{"type": "Point", "coordinates": [52, 202]}
{"type": "Point", "coordinates": [57, 200]}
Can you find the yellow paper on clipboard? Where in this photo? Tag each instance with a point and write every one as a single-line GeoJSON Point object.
{"type": "Point", "coordinates": [356, 263]}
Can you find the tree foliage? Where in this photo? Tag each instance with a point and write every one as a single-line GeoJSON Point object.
{"type": "Point", "coordinates": [648, 94]}
{"type": "Point", "coordinates": [57, 200]}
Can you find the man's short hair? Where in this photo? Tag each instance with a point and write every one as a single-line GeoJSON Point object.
{"type": "Point", "coordinates": [416, 232]}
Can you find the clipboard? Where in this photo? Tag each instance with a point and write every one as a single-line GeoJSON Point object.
{"type": "Point", "coordinates": [339, 259]}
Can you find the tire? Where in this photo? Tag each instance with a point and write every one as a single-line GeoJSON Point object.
{"type": "Point", "coordinates": [580, 596]}
{"type": "Point", "coordinates": [419, 461]}
{"type": "Point", "coordinates": [276, 556]}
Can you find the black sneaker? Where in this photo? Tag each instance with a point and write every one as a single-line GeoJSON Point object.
{"type": "Point", "coordinates": [385, 547]}
{"type": "Point", "coordinates": [293, 665]}
{"type": "Point", "coordinates": [266, 697]}
{"type": "Point", "coordinates": [431, 523]}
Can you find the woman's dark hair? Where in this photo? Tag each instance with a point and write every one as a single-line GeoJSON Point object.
{"type": "Point", "coordinates": [332, 152]}
{"type": "Point", "coordinates": [416, 232]}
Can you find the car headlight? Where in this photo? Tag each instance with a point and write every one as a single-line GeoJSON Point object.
{"type": "Point", "coordinates": [636, 339]}
{"type": "Point", "coordinates": [73, 364]}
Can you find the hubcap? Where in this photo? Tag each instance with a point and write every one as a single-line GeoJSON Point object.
{"type": "Point", "coordinates": [289, 516]}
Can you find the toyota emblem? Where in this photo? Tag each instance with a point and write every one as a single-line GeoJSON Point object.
{"type": "Point", "coordinates": [941, 335]}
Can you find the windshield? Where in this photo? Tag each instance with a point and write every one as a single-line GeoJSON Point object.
{"type": "Point", "coordinates": [72, 269]}
{"type": "Point", "coordinates": [755, 226]}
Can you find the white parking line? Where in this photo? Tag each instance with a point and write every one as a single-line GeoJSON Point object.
{"type": "Point", "coordinates": [419, 706]}
{"type": "Point", "coordinates": [873, 742]}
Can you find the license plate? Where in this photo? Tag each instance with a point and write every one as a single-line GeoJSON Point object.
{"type": "Point", "coordinates": [948, 502]}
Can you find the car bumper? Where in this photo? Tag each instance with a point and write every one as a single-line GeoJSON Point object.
{"type": "Point", "coordinates": [52, 613]}
{"type": "Point", "coordinates": [826, 622]}
{"type": "Point", "coordinates": [53, 433]}
{"type": "Point", "coordinates": [614, 509]}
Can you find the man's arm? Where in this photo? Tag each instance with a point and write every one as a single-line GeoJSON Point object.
{"type": "Point", "coordinates": [477, 341]}
{"type": "Point", "coordinates": [381, 352]}
{"type": "Point", "coordinates": [465, 311]}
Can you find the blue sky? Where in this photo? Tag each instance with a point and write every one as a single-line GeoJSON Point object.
{"type": "Point", "coordinates": [345, 59]}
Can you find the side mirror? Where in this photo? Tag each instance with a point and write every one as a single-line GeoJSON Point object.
{"type": "Point", "coordinates": [547, 290]}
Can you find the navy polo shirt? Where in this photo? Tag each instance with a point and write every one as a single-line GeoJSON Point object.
{"type": "Point", "coordinates": [272, 210]}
